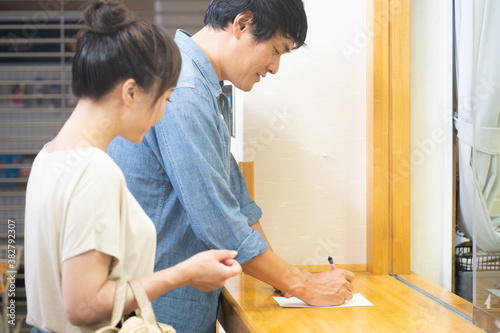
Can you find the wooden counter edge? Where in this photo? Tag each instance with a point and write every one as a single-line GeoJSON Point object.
{"type": "Point", "coordinates": [443, 294]}
{"type": "Point", "coordinates": [230, 315]}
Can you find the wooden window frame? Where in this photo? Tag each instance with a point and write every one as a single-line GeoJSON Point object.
{"type": "Point", "coordinates": [388, 136]}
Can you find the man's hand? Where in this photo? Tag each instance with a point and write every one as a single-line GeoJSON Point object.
{"type": "Point", "coordinates": [327, 288]}
{"type": "Point", "coordinates": [332, 287]}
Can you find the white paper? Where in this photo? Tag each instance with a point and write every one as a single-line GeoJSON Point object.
{"type": "Point", "coordinates": [294, 302]}
{"type": "Point", "coordinates": [488, 302]}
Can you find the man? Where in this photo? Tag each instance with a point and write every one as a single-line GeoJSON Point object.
{"type": "Point", "coordinates": [185, 177]}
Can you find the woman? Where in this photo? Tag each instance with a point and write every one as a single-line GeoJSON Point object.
{"type": "Point", "coordinates": [84, 229]}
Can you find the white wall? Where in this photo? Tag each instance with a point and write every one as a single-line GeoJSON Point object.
{"type": "Point", "coordinates": [305, 128]}
{"type": "Point", "coordinates": [431, 140]}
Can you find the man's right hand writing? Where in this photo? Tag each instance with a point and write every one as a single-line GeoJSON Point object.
{"type": "Point", "coordinates": [332, 287]}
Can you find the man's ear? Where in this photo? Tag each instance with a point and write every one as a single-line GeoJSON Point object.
{"type": "Point", "coordinates": [129, 91]}
{"type": "Point", "coordinates": [242, 23]}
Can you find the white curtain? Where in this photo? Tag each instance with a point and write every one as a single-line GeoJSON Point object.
{"type": "Point", "coordinates": [478, 86]}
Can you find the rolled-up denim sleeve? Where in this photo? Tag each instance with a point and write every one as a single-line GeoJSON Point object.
{"type": "Point", "coordinates": [195, 157]}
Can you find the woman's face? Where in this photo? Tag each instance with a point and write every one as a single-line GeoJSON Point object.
{"type": "Point", "coordinates": [146, 114]}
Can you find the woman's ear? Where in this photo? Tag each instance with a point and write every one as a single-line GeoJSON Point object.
{"type": "Point", "coordinates": [242, 23]}
{"type": "Point", "coordinates": [129, 91]}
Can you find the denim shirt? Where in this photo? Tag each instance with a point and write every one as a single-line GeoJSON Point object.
{"type": "Point", "coordinates": [190, 185]}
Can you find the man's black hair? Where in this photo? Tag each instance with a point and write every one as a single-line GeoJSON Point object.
{"type": "Point", "coordinates": [268, 17]}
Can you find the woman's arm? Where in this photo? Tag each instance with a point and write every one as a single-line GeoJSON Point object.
{"type": "Point", "coordinates": [88, 295]}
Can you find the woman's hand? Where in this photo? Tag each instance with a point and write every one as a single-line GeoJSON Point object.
{"type": "Point", "coordinates": [88, 295]}
{"type": "Point", "coordinates": [209, 270]}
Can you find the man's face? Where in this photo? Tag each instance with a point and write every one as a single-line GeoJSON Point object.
{"type": "Point", "coordinates": [256, 59]}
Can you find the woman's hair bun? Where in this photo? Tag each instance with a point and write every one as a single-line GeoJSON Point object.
{"type": "Point", "coordinates": [115, 45]}
{"type": "Point", "coordinates": [107, 16]}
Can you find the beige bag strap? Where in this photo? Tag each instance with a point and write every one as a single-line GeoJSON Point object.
{"type": "Point", "coordinates": [119, 302]}
{"type": "Point", "coordinates": [142, 299]}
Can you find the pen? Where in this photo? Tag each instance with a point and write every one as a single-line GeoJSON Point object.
{"type": "Point", "coordinates": [332, 264]}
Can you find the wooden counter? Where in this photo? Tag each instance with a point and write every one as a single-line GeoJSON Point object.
{"type": "Point", "coordinates": [248, 306]}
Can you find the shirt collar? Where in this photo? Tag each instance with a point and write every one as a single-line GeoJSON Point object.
{"type": "Point", "coordinates": [188, 46]}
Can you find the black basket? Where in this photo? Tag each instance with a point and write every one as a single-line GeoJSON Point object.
{"type": "Point", "coordinates": [485, 261]}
